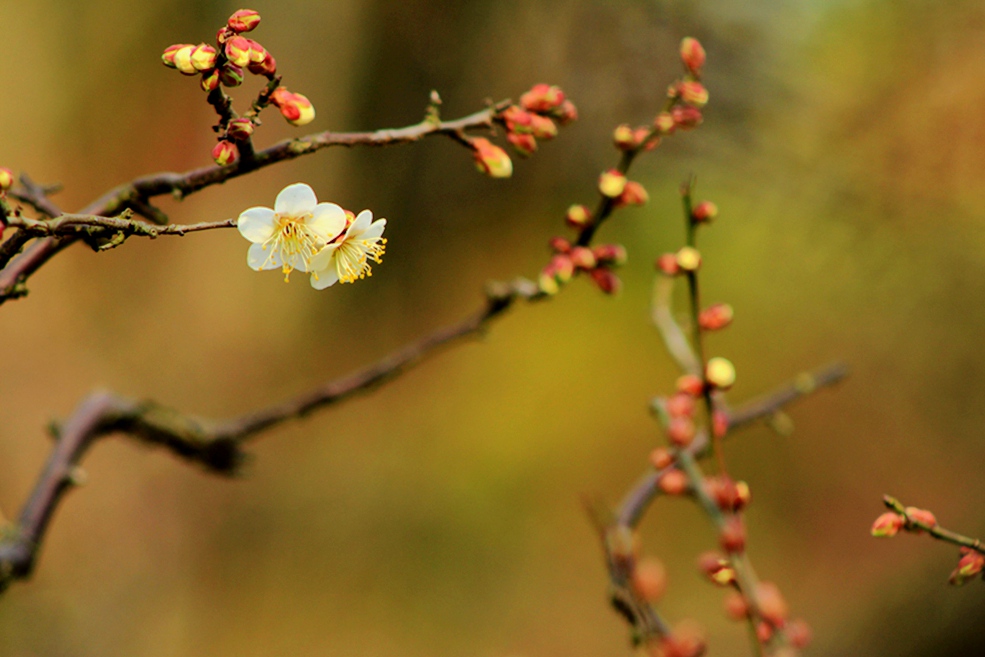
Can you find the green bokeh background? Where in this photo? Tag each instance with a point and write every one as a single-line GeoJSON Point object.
{"type": "Point", "coordinates": [441, 514]}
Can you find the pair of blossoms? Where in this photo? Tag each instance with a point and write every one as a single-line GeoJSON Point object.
{"type": "Point", "coordinates": [322, 239]}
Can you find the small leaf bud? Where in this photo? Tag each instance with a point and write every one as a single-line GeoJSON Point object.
{"type": "Point", "coordinates": [6, 179]}
{"type": "Point", "coordinates": [667, 263]}
{"type": "Point", "coordinates": [243, 20]}
{"type": "Point", "coordinates": [607, 280]}
{"type": "Point", "coordinates": [583, 258]}
{"type": "Point", "coordinates": [491, 159]}
{"type": "Point", "coordinates": [673, 482]}
{"type": "Point", "coordinates": [612, 183]}
{"type": "Point", "coordinates": [722, 490]}
{"type": "Point", "coordinates": [239, 129]}
{"type": "Point", "coordinates": [687, 640]}
{"type": "Point", "coordinates": [203, 57]}
{"type": "Point", "coordinates": [720, 373]}
{"type": "Point", "coordinates": [633, 194]}
{"type": "Point", "coordinates": [225, 152]}
{"type": "Point", "coordinates": [238, 50]}
{"type": "Point", "coordinates": [661, 458]}
{"type": "Point", "coordinates": [733, 535]}
{"type": "Point", "coordinates": [524, 143]}
{"type": "Point", "coordinates": [649, 579]}
{"type": "Point", "coordinates": [231, 75]}
{"type": "Point", "coordinates": [578, 216]}
{"type": "Point", "coordinates": [886, 525]}
{"type": "Point", "coordinates": [693, 55]}
{"type": "Point", "coordinates": [704, 212]}
{"type": "Point", "coordinates": [610, 254]}
{"type": "Point", "coordinates": [715, 317]}
{"type": "Point", "coordinates": [688, 258]}
{"type": "Point", "coordinates": [542, 98]}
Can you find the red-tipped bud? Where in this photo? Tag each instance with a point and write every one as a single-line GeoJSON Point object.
{"type": "Point", "coordinates": [517, 119]}
{"type": "Point", "coordinates": [687, 640]}
{"type": "Point", "coordinates": [799, 633]}
{"type": "Point", "coordinates": [612, 183]}
{"type": "Point", "coordinates": [524, 143]}
{"type": "Point", "coordinates": [888, 524]}
{"type": "Point", "coordinates": [764, 631]}
{"type": "Point", "coordinates": [743, 495]}
{"type": "Point", "coordinates": [566, 113]}
{"type": "Point", "coordinates": [649, 580]}
{"type": "Point", "coordinates": [688, 258]}
{"type": "Point", "coordinates": [723, 491]}
{"type": "Point", "coordinates": [182, 60]}
{"type": "Point", "coordinates": [693, 55]}
{"type": "Point", "coordinates": [6, 179]}
{"type": "Point", "coordinates": [243, 20]}
{"type": "Point", "coordinates": [296, 108]}
{"type": "Point", "coordinates": [690, 384]}
{"type": "Point", "coordinates": [736, 606]}
{"type": "Point", "coordinates": [717, 568]}
{"type": "Point", "coordinates": [720, 373]}
{"type": "Point", "coordinates": [210, 80]}
{"type": "Point", "coordinates": [168, 57]}
{"type": "Point", "coordinates": [267, 68]}
{"type": "Point", "coordinates": [633, 194]}
{"type": "Point", "coordinates": [673, 482]}
{"type": "Point", "coordinates": [716, 316]}
{"type": "Point", "coordinates": [970, 564]}
{"type": "Point", "coordinates": [665, 123]}
{"type": "Point", "coordinates": [919, 515]}
{"type": "Point", "coordinates": [547, 282]}
{"type": "Point", "coordinates": [238, 50]}
{"type": "Point", "coordinates": [225, 152]}
{"type": "Point", "coordinates": [578, 216]}
{"type": "Point", "coordinates": [667, 263]}
{"type": "Point", "coordinates": [624, 137]}
{"type": "Point", "coordinates": [610, 254]}
{"type": "Point", "coordinates": [771, 604]}
{"type": "Point", "coordinates": [661, 458]}
{"type": "Point", "coordinates": [231, 75]}
{"type": "Point", "coordinates": [224, 34]}
{"type": "Point", "coordinates": [258, 54]}
{"type": "Point", "coordinates": [562, 267]}
{"type": "Point", "coordinates": [583, 258]}
{"type": "Point", "coordinates": [644, 137]}
{"type": "Point", "coordinates": [732, 536]}
{"type": "Point", "coordinates": [681, 431]}
{"type": "Point", "coordinates": [681, 405]}
{"type": "Point", "coordinates": [542, 127]}
{"type": "Point", "coordinates": [203, 57]}
{"type": "Point", "coordinates": [239, 129]}
{"type": "Point", "coordinates": [559, 245]}
{"type": "Point", "coordinates": [542, 98]}
{"type": "Point", "coordinates": [704, 212]}
{"type": "Point", "coordinates": [607, 280]}
{"type": "Point", "coordinates": [693, 93]}
{"type": "Point", "coordinates": [686, 117]}
{"type": "Point", "coordinates": [491, 159]}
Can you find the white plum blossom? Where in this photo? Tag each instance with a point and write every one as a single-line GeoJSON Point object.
{"type": "Point", "coordinates": [289, 236]}
{"type": "Point", "coordinates": [347, 257]}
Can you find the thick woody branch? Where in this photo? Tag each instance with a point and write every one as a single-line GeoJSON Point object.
{"type": "Point", "coordinates": [216, 446]}
{"type": "Point", "coordinates": [136, 194]}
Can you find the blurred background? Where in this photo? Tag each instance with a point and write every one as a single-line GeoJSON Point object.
{"type": "Point", "coordinates": [440, 515]}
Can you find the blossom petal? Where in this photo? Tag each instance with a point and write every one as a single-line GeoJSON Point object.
{"type": "Point", "coordinates": [323, 258]}
{"type": "Point", "coordinates": [256, 224]}
{"type": "Point", "coordinates": [322, 278]}
{"type": "Point", "coordinates": [295, 200]}
{"type": "Point", "coordinates": [259, 258]}
{"type": "Point", "coordinates": [327, 221]}
{"type": "Point", "coordinates": [375, 230]}
{"type": "Point", "coordinates": [361, 223]}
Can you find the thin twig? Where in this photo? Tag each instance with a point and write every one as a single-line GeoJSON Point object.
{"type": "Point", "coordinates": [935, 531]}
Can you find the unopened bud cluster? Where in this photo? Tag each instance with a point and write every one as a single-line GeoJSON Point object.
{"type": "Point", "coordinates": [226, 64]}
{"type": "Point", "coordinates": [570, 259]}
{"type": "Point", "coordinates": [538, 115]}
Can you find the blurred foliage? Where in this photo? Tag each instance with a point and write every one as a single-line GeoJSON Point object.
{"type": "Point", "coordinates": [440, 515]}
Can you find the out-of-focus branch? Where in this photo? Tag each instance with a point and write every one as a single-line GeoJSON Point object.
{"type": "Point", "coordinates": [216, 446]}
{"type": "Point", "coordinates": [36, 196]}
{"type": "Point", "coordinates": [915, 522]}
{"type": "Point", "coordinates": [135, 195]}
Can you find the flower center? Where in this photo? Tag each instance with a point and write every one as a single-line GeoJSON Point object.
{"type": "Point", "coordinates": [352, 257]}
{"type": "Point", "coordinates": [293, 242]}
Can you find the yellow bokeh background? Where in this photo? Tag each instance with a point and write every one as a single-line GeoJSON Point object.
{"type": "Point", "coordinates": [441, 515]}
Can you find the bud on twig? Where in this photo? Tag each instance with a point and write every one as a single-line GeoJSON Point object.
{"type": "Point", "coordinates": [733, 535]}
{"type": "Point", "coordinates": [692, 55]}
{"type": "Point", "coordinates": [225, 152]}
{"type": "Point", "coordinates": [704, 212]}
{"type": "Point", "coordinates": [693, 93]}
{"type": "Point", "coordinates": [243, 20]}
{"type": "Point", "coordinates": [578, 216]}
{"type": "Point", "coordinates": [542, 98]}
{"type": "Point", "coordinates": [667, 263]}
{"type": "Point", "coordinates": [688, 258]}
{"type": "Point", "coordinates": [607, 280]}
{"type": "Point", "coordinates": [690, 384]}
{"type": "Point", "coordinates": [612, 183]}
{"type": "Point", "coordinates": [524, 143]}
{"type": "Point", "coordinates": [921, 516]}
{"type": "Point", "coordinates": [716, 316]}
{"type": "Point", "coordinates": [633, 194]}
{"type": "Point", "coordinates": [970, 564]}
{"type": "Point", "coordinates": [583, 258]}
{"type": "Point", "coordinates": [720, 373]}
{"type": "Point", "coordinates": [649, 579]}
{"type": "Point", "coordinates": [661, 458]}
{"type": "Point", "coordinates": [238, 50]}
{"type": "Point", "coordinates": [203, 57]}
{"type": "Point", "coordinates": [673, 482]}
{"type": "Point", "coordinates": [239, 129]}
{"type": "Point", "coordinates": [686, 117]}
{"type": "Point", "coordinates": [610, 254]}
{"type": "Point", "coordinates": [717, 568]}
{"type": "Point", "coordinates": [491, 159]}
{"type": "Point", "coordinates": [886, 525]}
{"type": "Point", "coordinates": [6, 179]}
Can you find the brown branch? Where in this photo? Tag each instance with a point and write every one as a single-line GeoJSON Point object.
{"type": "Point", "coordinates": [36, 196]}
{"type": "Point", "coordinates": [915, 523]}
{"type": "Point", "coordinates": [135, 194]}
{"type": "Point", "coordinates": [75, 224]}
{"type": "Point", "coordinates": [216, 446]}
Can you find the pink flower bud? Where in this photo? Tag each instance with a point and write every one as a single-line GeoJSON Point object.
{"type": "Point", "coordinates": [716, 316]}
{"type": "Point", "coordinates": [743, 495]}
{"type": "Point", "coordinates": [704, 212]}
{"type": "Point", "coordinates": [687, 640]}
{"type": "Point", "coordinates": [686, 117]}
{"type": "Point", "coordinates": [203, 57]}
{"type": "Point", "coordinates": [919, 515]}
{"type": "Point", "coordinates": [243, 20]}
{"type": "Point", "coordinates": [624, 137]}
{"type": "Point", "coordinates": [491, 159]}
{"type": "Point", "coordinates": [612, 183]}
{"type": "Point", "coordinates": [970, 564]}
{"type": "Point", "coordinates": [583, 258]}
{"type": "Point", "coordinates": [542, 98]}
{"type": "Point", "coordinates": [798, 633]}
{"type": "Point", "coordinates": [562, 267]}
{"type": "Point", "coordinates": [633, 194]}
{"type": "Point", "coordinates": [6, 179]}
{"type": "Point", "coordinates": [688, 258]}
{"type": "Point", "coordinates": [681, 431]}
{"type": "Point", "coordinates": [183, 60]}
{"type": "Point", "coordinates": [733, 535]}
{"type": "Point", "coordinates": [239, 129]}
{"type": "Point", "coordinates": [673, 482]}
{"type": "Point", "coordinates": [210, 80]}
{"type": "Point", "coordinates": [517, 119]}
{"type": "Point", "coordinates": [296, 108]}
{"type": "Point", "coordinates": [542, 127]}
{"type": "Point", "coordinates": [231, 75]}
{"type": "Point", "coordinates": [267, 68]}
{"type": "Point", "coordinates": [719, 424]}
{"type": "Point", "coordinates": [610, 254]}
{"type": "Point", "coordinates": [238, 50]}
{"type": "Point", "coordinates": [649, 579]}
{"type": "Point", "coordinates": [681, 405]}
{"type": "Point", "coordinates": [548, 283]}
{"type": "Point", "coordinates": [886, 525]}
{"type": "Point", "coordinates": [225, 152]}
{"type": "Point", "coordinates": [771, 604]}
{"type": "Point", "coordinates": [661, 458]}
{"type": "Point", "coordinates": [607, 280]}
{"type": "Point", "coordinates": [664, 123]}
{"type": "Point", "coordinates": [257, 52]}
{"type": "Point", "coordinates": [690, 384]}
{"type": "Point", "coordinates": [566, 113]}
{"type": "Point", "coordinates": [578, 216]}
{"type": "Point", "coordinates": [667, 263]}
{"type": "Point", "coordinates": [720, 373]}
{"type": "Point", "coordinates": [693, 93]}
{"type": "Point", "coordinates": [764, 632]}
{"type": "Point", "coordinates": [524, 143]}
{"type": "Point", "coordinates": [693, 55]}
{"type": "Point", "coordinates": [736, 606]}
{"type": "Point", "coordinates": [168, 57]}
{"type": "Point", "coordinates": [560, 245]}
{"type": "Point", "coordinates": [717, 568]}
